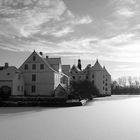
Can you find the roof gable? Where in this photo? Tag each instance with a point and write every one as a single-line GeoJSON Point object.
{"type": "Point", "coordinates": [39, 58]}
{"type": "Point", "coordinates": [97, 66]}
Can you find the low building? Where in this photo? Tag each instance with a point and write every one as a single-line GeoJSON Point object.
{"type": "Point", "coordinates": [97, 74]}
{"type": "Point", "coordinates": [42, 75]}
{"type": "Point", "coordinates": [11, 81]}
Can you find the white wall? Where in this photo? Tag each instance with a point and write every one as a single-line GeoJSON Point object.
{"type": "Point", "coordinates": [18, 82]}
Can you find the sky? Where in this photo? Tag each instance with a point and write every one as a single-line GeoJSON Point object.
{"type": "Point", "coordinates": [107, 30]}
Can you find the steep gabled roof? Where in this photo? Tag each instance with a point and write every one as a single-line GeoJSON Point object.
{"type": "Point", "coordinates": [97, 66]}
{"type": "Point", "coordinates": [106, 72]}
{"type": "Point", "coordinates": [42, 58]}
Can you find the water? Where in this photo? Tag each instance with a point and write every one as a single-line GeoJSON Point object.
{"type": "Point", "coordinates": [109, 118]}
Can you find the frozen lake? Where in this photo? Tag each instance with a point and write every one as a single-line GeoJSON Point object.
{"type": "Point", "coordinates": [108, 118]}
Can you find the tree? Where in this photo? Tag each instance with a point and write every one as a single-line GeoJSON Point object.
{"type": "Point", "coordinates": [83, 89]}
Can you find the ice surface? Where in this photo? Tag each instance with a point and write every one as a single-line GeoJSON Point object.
{"type": "Point", "coordinates": [108, 118]}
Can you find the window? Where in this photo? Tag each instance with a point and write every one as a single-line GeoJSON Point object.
{"type": "Point", "coordinates": [26, 66]}
{"type": "Point", "coordinates": [86, 77]}
{"type": "Point", "coordinates": [18, 88]}
{"type": "Point", "coordinates": [33, 89]}
{"type": "Point", "coordinates": [73, 77]}
{"type": "Point", "coordinates": [93, 76]}
{"type": "Point", "coordinates": [8, 73]}
{"type": "Point", "coordinates": [103, 82]}
{"type": "Point", "coordinates": [33, 66]}
{"type": "Point", "coordinates": [92, 81]}
{"type": "Point", "coordinates": [106, 89]}
{"type": "Point", "coordinates": [33, 77]}
{"type": "Point", "coordinates": [19, 76]}
{"type": "Point", "coordinates": [41, 66]}
{"type": "Point", "coordinates": [34, 58]}
{"type": "Point", "coordinates": [103, 88]}
{"type": "Point", "coordinates": [21, 88]}
{"type": "Point", "coordinates": [106, 84]}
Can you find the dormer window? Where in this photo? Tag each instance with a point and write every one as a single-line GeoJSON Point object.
{"type": "Point", "coordinates": [34, 58]}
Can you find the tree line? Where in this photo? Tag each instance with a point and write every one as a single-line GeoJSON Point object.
{"type": "Point", "coordinates": [126, 85]}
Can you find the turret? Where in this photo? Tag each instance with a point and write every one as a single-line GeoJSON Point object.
{"type": "Point", "coordinates": [79, 66]}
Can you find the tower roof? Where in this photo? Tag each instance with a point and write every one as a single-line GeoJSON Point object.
{"type": "Point", "coordinates": [106, 72]}
{"type": "Point", "coordinates": [97, 66]}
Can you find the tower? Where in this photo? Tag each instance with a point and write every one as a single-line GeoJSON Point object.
{"type": "Point", "coordinates": [79, 66]}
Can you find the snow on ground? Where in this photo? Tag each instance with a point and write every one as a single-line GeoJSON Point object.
{"type": "Point", "coordinates": [108, 118]}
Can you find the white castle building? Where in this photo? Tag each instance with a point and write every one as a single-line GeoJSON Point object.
{"type": "Point", "coordinates": [11, 80]}
{"type": "Point", "coordinates": [96, 74]}
{"type": "Point", "coordinates": [39, 75]}
{"type": "Point", "coordinates": [43, 75]}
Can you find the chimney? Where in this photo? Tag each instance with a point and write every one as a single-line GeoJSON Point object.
{"type": "Point", "coordinates": [6, 65]}
{"type": "Point", "coordinates": [41, 53]}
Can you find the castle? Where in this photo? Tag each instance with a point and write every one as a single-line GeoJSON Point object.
{"type": "Point", "coordinates": [96, 74]}
{"type": "Point", "coordinates": [41, 75]}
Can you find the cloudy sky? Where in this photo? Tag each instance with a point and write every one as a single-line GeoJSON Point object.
{"type": "Point", "coordinates": [87, 29]}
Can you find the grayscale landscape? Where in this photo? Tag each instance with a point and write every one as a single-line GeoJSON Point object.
{"type": "Point", "coordinates": [69, 69]}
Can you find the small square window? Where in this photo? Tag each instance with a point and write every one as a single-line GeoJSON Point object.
{"type": "Point", "coordinates": [19, 76]}
{"type": "Point", "coordinates": [18, 88]}
{"type": "Point", "coordinates": [33, 66]}
{"type": "Point", "coordinates": [21, 88]}
{"type": "Point", "coordinates": [33, 89]}
{"type": "Point", "coordinates": [41, 66]}
{"type": "Point", "coordinates": [33, 77]}
{"type": "Point", "coordinates": [26, 66]}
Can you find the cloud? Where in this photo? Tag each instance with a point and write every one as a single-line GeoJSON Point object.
{"type": "Point", "coordinates": [63, 31]}
{"type": "Point", "coordinates": [83, 20]}
{"type": "Point", "coordinates": [26, 18]}
{"type": "Point", "coordinates": [125, 12]}
{"type": "Point", "coordinates": [29, 17]}
{"type": "Point", "coordinates": [119, 39]}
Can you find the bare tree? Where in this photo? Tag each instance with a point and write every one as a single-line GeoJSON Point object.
{"type": "Point", "coordinates": [122, 81]}
{"type": "Point", "coordinates": [130, 81]}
